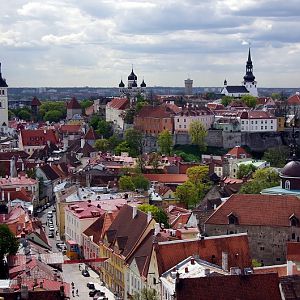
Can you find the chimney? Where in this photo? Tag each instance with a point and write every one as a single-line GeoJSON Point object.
{"type": "Point", "coordinates": [35, 283]}
{"type": "Point", "coordinates": [8, 197]}
{"type": "Point", "coordinates": [134, 211]}
{"type": "Point", "coordinates": [24, 292]}
{"type": "Point", "coordinates": [82, 142]}
{"type": "Point", "coordinates": [41, 284]}
{"type": "Point", "coordinates": [149, 217]}
{"type": "Point", "coordinates": [289, 267]}
{"type": "Point", "coordinates": [207, 272]}
{"type": "Point", "coordinates": [225, 261]}
{"type": "Point", "coordinates": [156, 229]}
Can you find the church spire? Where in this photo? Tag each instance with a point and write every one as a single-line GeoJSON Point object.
{"type": "Point", "coordinates": [249, 77]}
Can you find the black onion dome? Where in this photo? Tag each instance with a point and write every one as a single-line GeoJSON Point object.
{"type": "Point", "coordinates": [132, 76]}
{"type": "Point", "coordinates": [291, 169]}
{"type": "Point", "coordinates": [143, 84]}
{"type": "Point", "coordinates": [134, 84]}
{"type": "Point", "coordinates": [121, 84]}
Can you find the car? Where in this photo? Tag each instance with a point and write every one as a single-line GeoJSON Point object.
{"type": "Point", "coordinates": [54, 209]}
{"type": "Point", "coordinates": [44, 207]}
{"type": "Point", "coordinates": [85, 273]}
{"type": "Point", "coordinates": [48, 205]}
{"type": "Point", "coordinates": [51, 235]}
{"type": "Point", "coordinates": [91, 285]}
{"type": "Point", "coordinates": [51, 228]}
{"type": "Point", "coordinates": [94, 292]}
{"type": "Point", "coordinates": [39, 210]}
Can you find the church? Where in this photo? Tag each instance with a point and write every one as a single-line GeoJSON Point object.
{"type": "Point", "coordinates": [132, 88]}
{"type": "Point", "coordinates": [3, 101]}
{"type": "Point", "coordinates": [249, 85]}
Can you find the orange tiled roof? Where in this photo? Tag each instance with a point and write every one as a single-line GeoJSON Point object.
{"type": "Point", "coordinates": [167, 178]}
{"type": "Point", "coordinates": [38, 137]}
{"type": "Point", "coordinates": [294, 100]}
{"type": "Point", "coordinates": [259, 210]}
{"type": "Point", "coordinates": [118, 103]}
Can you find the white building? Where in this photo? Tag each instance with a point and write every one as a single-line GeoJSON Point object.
{"type": "Point", "coordinates": [183, 119]}
{"type": "Point", "coordinates": [191, 267]}
{"type": "Point", "coordinates": [258, 121]}
{"type": "Point", "coordinates": [115, 112]}
{"type": "Point", "coordinates": [249, 85]}
{"type": "Point", "coordinates": [78, 217]}
{"type": "Point", "coordinates": [3, 101]}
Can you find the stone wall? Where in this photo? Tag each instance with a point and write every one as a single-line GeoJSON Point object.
{"type": "Point", "coordinates": [267, 244]}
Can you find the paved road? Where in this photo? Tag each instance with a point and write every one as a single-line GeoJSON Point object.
{"type": "Point", "coordinates": [71, 273]}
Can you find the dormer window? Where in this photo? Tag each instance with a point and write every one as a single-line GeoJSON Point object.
{"type": "Point", "coordinates": [232, 219]}
{"type": "Point", "coordinates": [287, 185]}
{"type": "Point", "coordinates": [294, 220]}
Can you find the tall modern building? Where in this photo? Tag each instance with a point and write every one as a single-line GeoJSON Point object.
{"type": "Point", "coordinates": [3, 101]}
{"type": "Point", "coordinates": [188, 87]}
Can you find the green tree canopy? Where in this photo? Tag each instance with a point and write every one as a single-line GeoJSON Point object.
{"type": "Point", "coordinates": [113, 142]}
{"type": "Point", "coordinates": [126, 183]}
{"type": "Point", "coordinates": [48, 106]}
{"type": "Point", "coordinates": [146, 294]}
{"type": "Point", "coordinates": [198, 174]}
{"type": "Point", "coordinates": [158, 213]}
{"type": "Point", "coordinates": [53, 116]}
{"type": "Point", "coordinates": [8, 242]}
{"type": "Point", "coordinates": [277, 156]}
{"type": "Point", "coordinates": [122, 147]}
{"type": "Point", "coordinates": [165, 142]}
{"type": "Point", "coordinates": [24, 115]}
{"type": "Point", "coordinates": [187, 193]}
{"type": "Point", "coordinates": [140, 182]}
{"type": "Point", "coordinates": [86, 103]}
{"type": "Point", "coordinates": [249, 100]}
{"type": "Point", "coordinates": [197, 133]}
{"type": "Point", "coordinates": [134, 139]}
{"type": "Point", "coordinates": [102, 127]}
{"type": "Point", "coordinates": [262, 179]}
{"type": "Point", "coordinates": [102, 145]}
{"type": "Point", "coordinates": [245, 169]}
{"type": "Point", "coordinates": [226, 100]}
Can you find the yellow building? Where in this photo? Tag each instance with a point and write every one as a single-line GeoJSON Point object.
{"type": "Point", "coordinates": [280, 123]}
{"type": "Point", "coordinates": [126, 232]}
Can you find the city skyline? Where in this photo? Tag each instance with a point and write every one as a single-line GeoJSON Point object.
{"type": "Point", "coordinates": [95, 43]}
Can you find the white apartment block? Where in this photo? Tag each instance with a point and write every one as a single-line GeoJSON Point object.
{"type": "Point", "coordinates": [258, 121]}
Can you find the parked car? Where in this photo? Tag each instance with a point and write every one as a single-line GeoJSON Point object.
{"type": "Point", "coordinates": [51, 234]}
{"type": "Point", "coordinates": [91, 285]}
{"type": "Point", "coordinates": [51, 228]}
{"type": "Point", "coordinates": [39, 210]}
{"type": "Point", "coordinates": [85, 273]}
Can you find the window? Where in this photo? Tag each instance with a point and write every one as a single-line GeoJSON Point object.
{"type": "Point", "coordinates": [293, 236]}
{"type": "Point", "coordinates": [262, 127]}
{"type": "Point", "coordinates": [232, 219]}
{"type": "Point", "coordinates": [294, 221]}
{"type": "Point", "coordinates": [287, 185]}
{"type": "Point", "coordinates": [262, 248]}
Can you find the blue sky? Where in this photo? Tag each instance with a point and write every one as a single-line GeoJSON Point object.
{"type": "Point", "coordinates": [94, 42]}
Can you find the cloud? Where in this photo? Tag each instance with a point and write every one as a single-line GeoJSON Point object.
{"type": "Point", "coordinates": [94, 42]}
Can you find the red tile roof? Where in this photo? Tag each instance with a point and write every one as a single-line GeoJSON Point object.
{"type": "Point", "coordinates": [38, 137]}
{"type": "Point", "coordinates": [246, 287]}
{"type": "Point", "coordinates": [281, 270]}
{"type": "Point", "coordinates": [257, 210]}
{"type": "Point", "coordinates": [210, 249]}
{"type": "Point", "coordinates": [161, 111]}
{"type": "Point", "coordinates": [294, 100]}
{"type": "Point", "coordinates": [238, 152]}
{"type": "Point", "coordinates": [118, 103]}
{"type": "Point", "coordinates": [256, 114]}
{"type": "Point", "coordinates": [73, 104]}
{"type": "Point", "coordinates": [167, 178]}
{"type": "Point", "coordinates": [91, 134]}
{"type": "Point", "coordinates": [84, 210]}
{"type": "Point", "coordinates": [67, 128]}
{"type": "Point", "coordinates": [293, 251]}
{"type": "Point", "coordinates": [35, 102]}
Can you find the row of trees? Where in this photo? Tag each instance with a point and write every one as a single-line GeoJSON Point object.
{"type": "Point", "coordinates": [249, 100]}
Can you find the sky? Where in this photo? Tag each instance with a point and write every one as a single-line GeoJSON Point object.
{"type": "Point", "coordinates": [96, 42]}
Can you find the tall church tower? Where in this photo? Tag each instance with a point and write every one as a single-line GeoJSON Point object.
{"type": "Point", "coordinates": [249, 79]}
{"type": "Point", "coordinates": [3, 101]}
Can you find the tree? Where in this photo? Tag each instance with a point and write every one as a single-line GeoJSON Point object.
{"type": "Point", "coordinates": [154, 161]}
{"type": "Point", "coordinates": [126, 183]}
{"type": "Point", "coordinates": [113, 142]}
{"type": "Point", "coordinates": [86, 103]}
{"type": "Point", "coordinates": [226, 100]}
{"type": "Point", "coordinates": [197, 133]}
{"type": "Point", "coordinates": [24, 115]}
{"type": "Point", "coordinates": [198, 174]}
{"type": "Point", "coordinates": [122, 147]}
{"type": "Point", "coordinates": [140, 182]}
{"type": "Point", "coordinates": [262, 179]}
{"type": "Point", "coordinates": [53, 105]}
{"type": "Point", "coordinates": [165, 142]}
{"type": "Point", "coordinates": [187, 193]}
{"type": "Point", "coordinates": [134, 139]}
{"type": "Point", "coordinates": [8, 245]}
{"type": "Point", "coordinates": [277, 156]}
{"type": "Point", "coordinates": [244, 170]}
{"type": "Point", "coordinates": [104, 128]}
{"type": "Point", "coordinates": [249, 100]}
{"type": "Point", "coordinates": [102, 145]}
{"type": "Point", "coordinates": [146, 294]}
{"type": "Point", "coordinates": [53, 116]}
{"type": "Point", "coordinates": [158, 213]}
